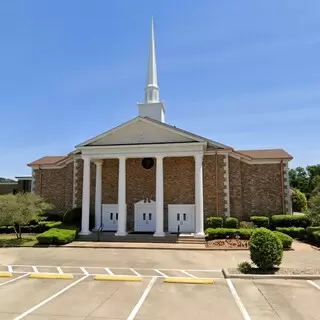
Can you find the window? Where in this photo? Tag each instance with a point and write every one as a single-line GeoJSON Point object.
{"type": "Point", "coordinates": [184, 217]}
{"type": "Point", "coordinates": [178, 216]}
{"type": "Point", "coordinates": [117, 216]}
{"type": "Point", "coordinates": [144, 216]}
{"type": "Point", "coordinates": [150, 216]}
{"type": "Point", "coordinates": [111, 215]}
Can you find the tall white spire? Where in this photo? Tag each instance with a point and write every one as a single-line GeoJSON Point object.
{"type": "Point", "coordinates": [152, 89]}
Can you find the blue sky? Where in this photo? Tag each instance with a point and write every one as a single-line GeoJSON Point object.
{"type": "Point", "coordinates": [244, 73]}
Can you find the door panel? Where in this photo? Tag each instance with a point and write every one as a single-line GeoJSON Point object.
{"type": "Point", "coordinates": [145, 218]}
{"type": "Point", "coordinates": [110, 217]}
{"type": "Point", "coordinates": [182, 216]}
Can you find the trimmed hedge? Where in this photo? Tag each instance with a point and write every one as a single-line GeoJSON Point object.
{"type": "Point", "coordinates": [296, 233]}
{"type": "Point", "coordinates": [266, 250]}
{"type": "Point", "coordinates": [260, 221]}
{"type": "Point", "coordinates": [310, 233]}
{"type": "Point", "coordinates": [232, 223]}
{"type": "Point", "coordinates": [57, 236]}
{"type": "Point", "coordinates": [286, 221]}
{"type": "Point", "coordinates": [223, 233]}
{"type": "Point", "coordinates": [316, 236]}
{"type": "Point", "coordinates": [214, 222]}
{"type": "Point", "coordinates": [284, 238]}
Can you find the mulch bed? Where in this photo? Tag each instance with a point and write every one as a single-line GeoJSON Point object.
{"type": "Point", "coordinates": [279, 271]}
{"type": "Point", "coordinates": [225, 244]}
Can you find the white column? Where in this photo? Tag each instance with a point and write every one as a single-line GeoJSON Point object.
{"type": "Point", "coordinates": [199, 195]}
{"type": "Point", "coordinates": [159, 198]}
{"type": "Point", "coordinates": [85, 197]}
{"type": "Point", "coordinates": [98, 194]}
{"type": "Point", "coordinates": [122, 208]}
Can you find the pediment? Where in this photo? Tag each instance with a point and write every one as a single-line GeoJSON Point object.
{"type": "Point", "coordinates": [139, 131]}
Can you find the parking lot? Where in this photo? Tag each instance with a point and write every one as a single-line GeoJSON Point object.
{"type": "Point", "coordinates": [149, 296]}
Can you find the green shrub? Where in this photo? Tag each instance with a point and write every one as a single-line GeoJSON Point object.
{"type": "Point", "coordinates": [316, 236]}
{"type": "Point", "coordinates": [232, 223]}
{"type": "Point", "coordinates": [314, 209]}
{"type": "Point", "coordinates": [246, 225]}
{"type": "Point", "coordinates": [260, 221]}
{"type": "Point", "coordinates": [223, 233]}
{"type": "Point", "coordinates": [214, 222]}
{"type": "Point", "coordinates": [266, 249]}
{"type": "Point", "coordinates": [286, 221]}
{"type": "Point", "coordinates": [285, 239]}
{"type": "Point", "coordinates": [299, 201]}
{"type": "Point", "coordinates": [310, 231]}
{"type": "Point", "coordinates": [244, 267]}
{"type": "Point", "coordinates": [296, 233]}
{"type": "Point", "coordinates": [73, 217]}
{"type": "Point", "coordinates": [57, 236]}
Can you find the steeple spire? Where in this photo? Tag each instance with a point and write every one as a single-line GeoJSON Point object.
{"type": "Point", "coordinates": [152, 89]}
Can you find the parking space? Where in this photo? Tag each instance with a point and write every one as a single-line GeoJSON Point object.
{"type": "Point", "coordinates": [151, 297]}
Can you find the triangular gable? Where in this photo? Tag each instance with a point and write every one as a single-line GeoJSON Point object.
{"type": "Point", "coordinates": [140, 131]}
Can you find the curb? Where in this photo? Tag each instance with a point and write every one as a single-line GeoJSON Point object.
{"type": "Point", "coordinates": [118, 278]}
{"type": "Point", "coordinates": [228, 275]}
{"type": "Point", "coordinates": [51, 276]}
{"type": "Point", "coordinates": [188, 280]}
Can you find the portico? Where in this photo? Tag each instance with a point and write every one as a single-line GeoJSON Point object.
{"type": "Point", "coordinates": [158, 153]}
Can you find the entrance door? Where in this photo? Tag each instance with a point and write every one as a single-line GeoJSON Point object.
{"type": "Point", "coordinates": [181, 215]}
{"type": "Point", "coordinates": [145, 217]}
{"type": "Point", "coordinates": [110, 217]}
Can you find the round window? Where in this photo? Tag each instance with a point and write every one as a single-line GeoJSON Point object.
{"type": "Point", "coordinates": [147, 163]}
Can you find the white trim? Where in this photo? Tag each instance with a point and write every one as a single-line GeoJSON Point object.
{"type": "Point", "coordinates": [226, 186]}
{"type": "Point", "coordinates": [154, 123]}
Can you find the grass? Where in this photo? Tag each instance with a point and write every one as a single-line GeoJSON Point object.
{"type": "Point", "coordinates": [10, 240]}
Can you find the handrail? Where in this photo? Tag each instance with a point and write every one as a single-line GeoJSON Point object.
{"type": "Point", "coordinates": [100, 228]}
{"type": "Point", "coordinates": [178, 231]}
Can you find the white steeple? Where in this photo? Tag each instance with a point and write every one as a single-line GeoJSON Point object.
{"type": "Point", "coordinates": [152, 107]}
{"type": "Point", "coordinates": [152, 89]}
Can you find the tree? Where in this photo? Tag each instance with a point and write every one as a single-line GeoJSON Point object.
{"type": "Point", "coordinates": [17, 210]}
{"type": "Point", "coordinates": [314, 210]}
{"type": "Point", "coordinates": [299, 201]}
{"type": "Point", "coordinates": [6, 180]}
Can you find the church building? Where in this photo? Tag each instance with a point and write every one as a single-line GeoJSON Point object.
{"type": "Point", "coordinates": [146, 175]}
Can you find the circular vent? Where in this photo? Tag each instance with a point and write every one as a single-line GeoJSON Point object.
{"type": "Point", "coordinates": [147, 163]}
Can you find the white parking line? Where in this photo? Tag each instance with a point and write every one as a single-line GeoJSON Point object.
{"type": "Point", "coordinates": [141, 301]}
{"type": "Point", "coordinates": [161, 273]}
{"type": "Point", "coordinates": [135, 272]}
{"type": "Point", "coordinates": [85, 271]}
{"type": "Point", "coordinates": [10, 269]}
{"type": "Point", "coordinates": [49, 299]}
{"type": "Point", "coordinates": [59, 270]}
{"type": "Point", "coordinates": [189, 274]}
{"type": "Point", "coordinates": [35, 269]}
{"type": "Point", "coordinates": [109, 272]}
{"type": "Point", "coordinates": [314, 284]}
{"type": "Point", "coordinates": [13, 280]}
{"type": "Point", "coordinates": [237, 299]}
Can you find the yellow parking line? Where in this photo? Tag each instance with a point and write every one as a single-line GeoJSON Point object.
{"type": "Point", "coordinates": [188, 280]}
{"type": "Point", "coordinates": [6, 274]}
{"type": "Point", "coordinates": [51, 276]}
{"type": "Point", "coordinates": [117, 278]}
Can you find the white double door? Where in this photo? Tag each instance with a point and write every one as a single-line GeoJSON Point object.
{"type": "Point", "coordinates": [110, 217]}
{"type": "Point", "coordinates": [181, 217]}
{"type": "Point", "coordinates": [145, 217]}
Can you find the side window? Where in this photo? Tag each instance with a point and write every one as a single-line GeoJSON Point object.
{"type": "Point", "coordinates": [178, 216]}
{"type": "Point", "coordinates": [184, 217]}
{"type": "Point", "coordinates": [144, 216]}
{"type": "Point", "coordinates": [150, 216]}
{"type": "Point", "coordinates": [117, 216]}
{"type": "Point", "coordinates": [111, 215]}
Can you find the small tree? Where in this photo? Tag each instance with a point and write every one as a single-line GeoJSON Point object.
{"type": "Point", "coordinates": [17, 210]}
{"type": "Point", "coordinates": [314, 210]}
{"type": "Point", "coordinates": [299, 201]}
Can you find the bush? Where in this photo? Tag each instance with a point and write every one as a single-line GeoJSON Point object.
{"type": "Point", "coordinates": [260, 221]}
{"type": "Point", "coordinates": [231, 223]}
{"type": "Point", "coordinates": [223, 233]}
{"type": "Point", "coordinates": [286, 221]}
{"type": "Point", "coordinates": [73, 217]}
{"type": "Point", "coordinates": [57, 236]}
{"type": "Point", "coordinates": [214, 222]}
{"type": "Point", "coordinates": [296, 233]}
{"type": "Point", "coordinates": [244, 267]}
{"type": "Point", "coordinates": [285, 239]}
{"type": "Point", "coordinates": [316, 236]}
{"type": "Point", "coordinates": [314, 210]}
{"type": "Point", "coordinates": [266, 249]}
{"type": "Point", "coordinates": [310, 231]}
{"type": "Point", "coordinates": [299, 201]}
{"type": "Point", "coordinates": [246, 225]}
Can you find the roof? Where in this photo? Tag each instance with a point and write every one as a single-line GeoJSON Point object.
{"type": "Point", "coordinates": [50, 160]}
{"type": "Point", "coordinates": [266, 154]}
